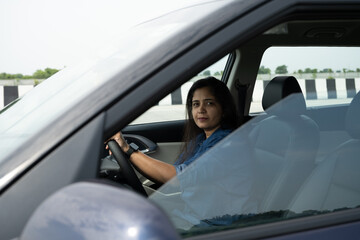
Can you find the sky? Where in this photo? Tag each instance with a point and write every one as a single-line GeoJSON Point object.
{"type": "Point", "coordinates": [36, 34]}
{"type": "Point", "coordinates": [296, 58]}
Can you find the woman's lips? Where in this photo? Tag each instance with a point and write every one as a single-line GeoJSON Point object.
{"type": "Point", "coordinates": [202, 119]}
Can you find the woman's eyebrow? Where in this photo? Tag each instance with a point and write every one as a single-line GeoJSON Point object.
{"type": "Point", "coordinates": [206, 99]}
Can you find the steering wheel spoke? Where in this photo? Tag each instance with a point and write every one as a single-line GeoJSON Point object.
{"type": "Point", "coordinates": [126, 168]}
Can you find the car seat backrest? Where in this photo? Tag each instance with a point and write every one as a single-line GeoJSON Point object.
{"type": "Point", "coordinates": [278, 89]}
{"type": "Point", "coordinates": [335, 183]}
{"type": "Point", "coordinates": [285, 144]}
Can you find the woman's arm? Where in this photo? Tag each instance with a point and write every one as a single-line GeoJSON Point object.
{"type": "Point", "coordinates": [151, 168]}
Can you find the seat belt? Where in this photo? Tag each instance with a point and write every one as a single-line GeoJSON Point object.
{"type": "Point", "coordinates": [241, 99]}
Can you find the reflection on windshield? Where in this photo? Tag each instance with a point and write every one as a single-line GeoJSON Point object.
{"type": "Point", "coordinates": [207, 188]}
{"type": "Point", "coordinates": [270, 169]}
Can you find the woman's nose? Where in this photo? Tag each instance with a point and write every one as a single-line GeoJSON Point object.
{"type": "Point", "coordinates": [202, 108]}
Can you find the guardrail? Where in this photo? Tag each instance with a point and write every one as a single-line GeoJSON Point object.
{"type": "Point", "coordinates": [322, 87]}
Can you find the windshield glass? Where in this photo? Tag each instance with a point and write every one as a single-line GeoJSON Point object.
{"type": "Point", "coordinates": [271, 169]}
{"type": "Point", "coordinates": [40, 109]}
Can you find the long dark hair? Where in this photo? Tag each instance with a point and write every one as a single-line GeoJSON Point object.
{"type": "Point", "coordinates": [223, 96]}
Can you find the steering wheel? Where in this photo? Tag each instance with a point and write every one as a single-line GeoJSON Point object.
{"type": "Point", "coordinates": [126, 168]}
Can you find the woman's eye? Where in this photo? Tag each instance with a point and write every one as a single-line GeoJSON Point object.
{"type": "Point", "coordinates": [195, 104]}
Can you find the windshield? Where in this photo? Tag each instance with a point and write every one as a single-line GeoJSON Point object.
{"type": "Point", "coordinates": [270, 169]}
{"type": "Point", "coordinates": [118, 62]}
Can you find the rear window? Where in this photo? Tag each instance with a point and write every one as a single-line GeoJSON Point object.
{"type": "Point", "coordinates": [327, 75]}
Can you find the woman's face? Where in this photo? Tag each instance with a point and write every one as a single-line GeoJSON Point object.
{"type": "Point", "coordinates": [206, 110]}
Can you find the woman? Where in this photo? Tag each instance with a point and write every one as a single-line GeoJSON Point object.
{"type": "Point", "coordinates": [211, 116]}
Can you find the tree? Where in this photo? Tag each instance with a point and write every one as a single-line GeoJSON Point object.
{"type": "Point", "coordinates": [3, 75]}
{"type": "Point", "coordinates": [207, 73]}
{"type": "Point", "coordinates": [327, 70]}
{"type": "Point", "coordinates": [263, 70]}
{"type": "Point", "coordinates": [40, 74]}
{"type": "Point", "coordinates": [18, 76]}
{"type": "Point", "coordinates": [281, 69]}
{"type": "Point", "coordinates": [51, 71]}
{"type": "Point", "coordinates": [309, 70]}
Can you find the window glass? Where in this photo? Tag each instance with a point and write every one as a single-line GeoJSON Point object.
{"type": "Point", "coordinates": [172, 107]}
{"type": "Point", "coordinates": [327, 75]}
{"type": "Point", "coordinates": [252, 177]}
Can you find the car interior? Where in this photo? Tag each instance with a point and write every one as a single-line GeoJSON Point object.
{"type": "Point", "coordinates": [313, 159]}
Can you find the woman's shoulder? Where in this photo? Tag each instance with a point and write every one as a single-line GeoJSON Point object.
{"type": "Point", "coordinates": [219, 134]}
{"type": "Point", "coordinates": [223, 132]}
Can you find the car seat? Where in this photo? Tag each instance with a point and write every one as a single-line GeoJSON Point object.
{"type": "Point", "coordinates": [335, 181]}
{"type": "Point", "coordinates": [285, 144]}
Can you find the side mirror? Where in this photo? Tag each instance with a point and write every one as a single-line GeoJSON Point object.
{"type": "Point", "coordinates": [93, 210]}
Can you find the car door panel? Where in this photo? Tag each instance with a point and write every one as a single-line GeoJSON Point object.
{"type": "Point", "coordinates": [158, 132]}
{"type": "Point", "coordinates": [166, 135]}
{"type": "Point", "coordinates": [167, 152]}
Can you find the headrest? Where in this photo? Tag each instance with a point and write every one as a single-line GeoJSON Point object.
{"type": "Point", "coordinates": [279, 88]}
{"type": "Point", "coordinates": [352, 120]}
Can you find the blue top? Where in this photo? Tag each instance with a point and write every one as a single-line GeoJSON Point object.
{"type": "Point", "coordinates": [202, 145]}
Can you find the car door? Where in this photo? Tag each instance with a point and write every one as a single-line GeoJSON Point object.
{"type": "Point", "coordinates": [245, 73]}
{"type": "Point", "coordinates": [236, 35]}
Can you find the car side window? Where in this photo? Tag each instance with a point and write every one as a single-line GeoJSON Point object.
{"type": "Point", "coordinates": [327, 75]}
{"type": "Point", "coordinates": [172, 107]}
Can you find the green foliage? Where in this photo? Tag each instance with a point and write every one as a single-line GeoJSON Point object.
{"type": "Point", "coordinates": [263, 70]}
{"type": "Point", "coordinates": [207, 73]}
{"type": "Point", "coordinates": [281, 69]}
{"type": "Point", "coordinates": [51, 71]}
{"type": "Point", "coordinates": [10, 76]}
{"type": "Point", "coordinates": [36, 82]}
{"type": "Point", "coordinates": [327, 70]}
{"type": "Point", "coordinates": [217, 74]}
{"type": "Point", "coordinates": [345, 70]}
{"type": "Point", "coordinates": [309, 70]}
{"type": "Point", "coordinates": [39, 74]}
{"type": "Point", "coordinates": [314, 71]}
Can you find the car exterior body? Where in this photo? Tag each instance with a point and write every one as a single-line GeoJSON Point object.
{"type": "Point", "coordinates": [53, 137]}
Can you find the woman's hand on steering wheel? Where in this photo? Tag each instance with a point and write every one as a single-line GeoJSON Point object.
{"type": "Point", "coordinates": [118, 137]}
{"type": "Point", "coordinates": [117, 147]}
